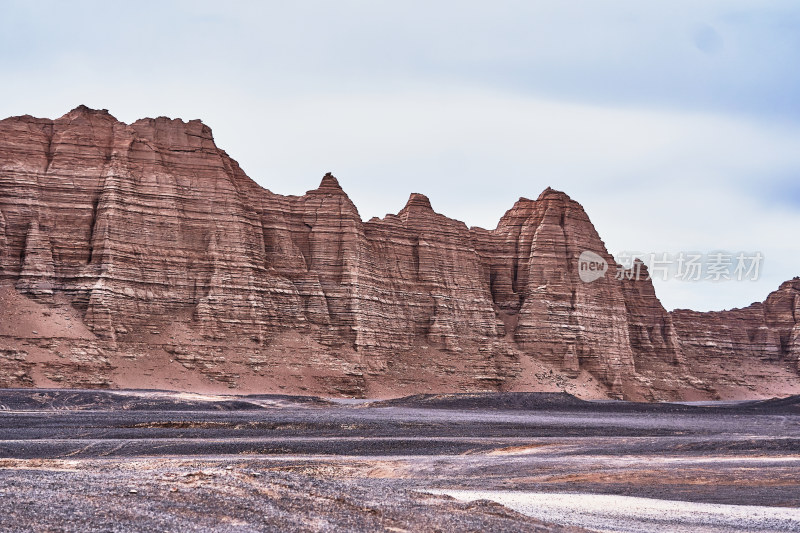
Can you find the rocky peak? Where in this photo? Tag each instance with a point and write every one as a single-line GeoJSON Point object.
{"type": "Point", "coordinates": [329, 187]}
{"type": "Point", "coordinates": [330, 184]}
{"type": "Point", "coordinates": [419, 200]}
{"type": "Point", "coordinates": [418, 207]}
{"type": "Point", "coordinates": [83, 112]}
{"type": "Point", "coordinates": [330, 203]}
{"type": "Point", "coordinates": [517, 215]}
{"type": "Point", "coordinates": [553, 195]}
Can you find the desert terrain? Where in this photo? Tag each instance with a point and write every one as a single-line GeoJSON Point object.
{"type": "Point", "coordinates": [75, 460]}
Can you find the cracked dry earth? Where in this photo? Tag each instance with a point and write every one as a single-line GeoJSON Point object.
{"type": "Point", "coordinates": [155, 461]}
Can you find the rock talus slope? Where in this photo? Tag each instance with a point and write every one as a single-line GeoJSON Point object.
{"type": "Point", "coordinates": [142, 255]}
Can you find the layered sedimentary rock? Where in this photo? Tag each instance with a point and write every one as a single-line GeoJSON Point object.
{"type": "Point", "coordinates": [142, 255]}
{"type": "Point", "coordinates": [558, 317]}
{"type": "Point", "coordinates": [740, 342]}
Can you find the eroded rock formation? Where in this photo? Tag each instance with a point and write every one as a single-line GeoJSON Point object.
{"type": "Point", "coordinates": [142, 255]}
{"type": "Point", "coordinates": [742, 342]}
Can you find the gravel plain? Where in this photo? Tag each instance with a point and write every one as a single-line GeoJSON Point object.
{"type": "Point", "coordinates": [151, 460]}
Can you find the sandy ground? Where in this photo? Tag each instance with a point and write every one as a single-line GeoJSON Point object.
{"type": "Point", "coordinates": [638, 515]}
{"type": "Point", "coordinates": [152, 460]}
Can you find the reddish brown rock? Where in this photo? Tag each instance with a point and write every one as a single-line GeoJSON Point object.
{"type": "Point", "coordinates": [2, 240]}
{"type": "Point", "coordinates": [146, 257]}
{"type": "Point", "coordinates": [37, 274]}
{"type": "Point", "coordinates": [744, 349]}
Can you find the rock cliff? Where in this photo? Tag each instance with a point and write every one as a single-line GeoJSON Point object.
{"type": "Point", "coordinates": [141, 255]}
{"type": "Point", "coordinates": [744, 344]}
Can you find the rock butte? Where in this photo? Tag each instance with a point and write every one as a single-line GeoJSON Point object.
{"type": "Point", "coordinates": [141, 255]}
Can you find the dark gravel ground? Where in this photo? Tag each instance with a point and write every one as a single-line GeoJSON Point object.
{"type": "Point", "coordinates": [205, 496]}
{"type": "Point", "coordinates": [69, 459]}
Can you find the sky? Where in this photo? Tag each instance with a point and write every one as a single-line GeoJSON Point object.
{"type": "Point", "coordinates": [676, 124]}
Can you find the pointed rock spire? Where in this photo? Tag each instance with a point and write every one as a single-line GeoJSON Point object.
{"type": "Point", "coordinates": [329, 182]}
{"type": "Point", "coordinates": [328, 185]}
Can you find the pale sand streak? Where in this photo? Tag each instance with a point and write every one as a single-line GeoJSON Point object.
{"type": "Point", "coordinates": [611, 513]}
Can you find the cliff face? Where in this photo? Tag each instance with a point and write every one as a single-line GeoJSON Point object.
{"type": "Point", "coordinates": [142, 255]}
{"type": "Point", "coordinates": [743, 342]}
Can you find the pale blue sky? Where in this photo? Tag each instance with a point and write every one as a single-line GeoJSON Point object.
{"type": "Point", "coordinates": [676, 124]}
